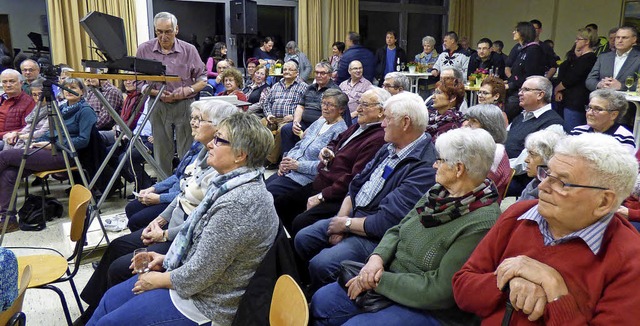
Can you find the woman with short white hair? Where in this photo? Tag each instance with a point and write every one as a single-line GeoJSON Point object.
{"type": "Point", "coordinates": [539, 147]}
{"type": "Point", "coordinates": [410, 271]}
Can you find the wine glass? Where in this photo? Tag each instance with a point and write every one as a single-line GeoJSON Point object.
{"type": "Point", "coordinates": [629, 83]}
{"type": "Point", "coordinates": [402, 66]}
{"type": "Point", "coordinates": [327, 156]}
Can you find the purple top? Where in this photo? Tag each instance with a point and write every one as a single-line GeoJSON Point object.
{"type": "Point", "coordinates": [183, 61]}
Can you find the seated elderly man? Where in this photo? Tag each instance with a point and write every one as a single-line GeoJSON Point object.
{"type": "Point", "coordinates": [345, 156]}
{"type": "Point", "coordinates": [566, 259]}
{"type": "Point", "coordinates": [15, 104]}
{"type": "Point", "coordinates": [379, 197]}
{"type": "Point", "coordinates": [396, 83]}
{"type": "Point", "coordinates": [30, 73]}
{"type": "Point", "coordinates": [354, 87]}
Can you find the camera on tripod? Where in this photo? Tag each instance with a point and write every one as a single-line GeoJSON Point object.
{"type": "Point", "coordinates": [49, 71]}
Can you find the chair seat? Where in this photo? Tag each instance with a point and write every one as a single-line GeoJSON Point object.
{"type": "Point", "coordinates": [44, 174]}
{"type": "Point", "coordinates": [44, 268]}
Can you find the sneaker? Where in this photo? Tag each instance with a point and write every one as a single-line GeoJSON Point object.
{"type": "Point", "coordinates": [13, 225]}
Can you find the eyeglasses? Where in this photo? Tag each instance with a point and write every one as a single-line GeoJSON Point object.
{"type": "Point", "coordinates": [355, 68]}
{"type": "Point", "coordinates": [328, 104]}
{"type": "Point", "coordinates": [219, 141]}
{"type": "Point", "coordinates": [367, 105]}
{"type": "Point", "coordinates": [484, 93]}
{"type": "Point", "coordinates": [527, 89]}
{"type": "Point", "coordinates": [321, 73]}
{"type": "Point", "coordinates": [558, 185]}
{"type": "Point", "coordinates": [385, 85]}
{"type": "Point", "coordinates": [596, 109]}
{"type": "Point", "coordinates": [28, 70]}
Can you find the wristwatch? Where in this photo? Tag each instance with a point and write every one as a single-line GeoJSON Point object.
{"type": "Point", "coordinates": [347, 224]}
{"type": "Point", "coordinates": [165, 236]}
{"type": "Point", "coordinates": [320, 198]}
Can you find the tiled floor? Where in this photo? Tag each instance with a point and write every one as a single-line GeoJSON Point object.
{"type": "Point", "coordinates": [43, 307]}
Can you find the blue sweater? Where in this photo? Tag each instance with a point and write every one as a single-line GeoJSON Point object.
{"type": "Point", "coordinates": [410, 179]}
{"type": "Point", "coordinates": [307, 149]}
{"type": "Point", "coordinates": [79, 118]}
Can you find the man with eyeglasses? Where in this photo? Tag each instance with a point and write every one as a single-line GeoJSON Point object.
{"type": "Point", "coordinates": [612, 68]}
{"type": "Point", "coordinates": [171, 114]}
{"type": "Point", "coordinates": [15, 104]}
{"type": "Point", "coordinates": [396, 83]}
{"type": "Point", "coordinates": [354, 87]}
{"type": "Point", "coordinates": [567, 258]}
{"type": "Point", "coordinates": [280, 106]}
{"type": "Point", "coordinates": [535, 99]}
{"type": "Point", "coordinates": [484, 58]}
{"type": "Point", "coordinates": [308, 110]}
{"type": "Point", "coordinates": [30, 72]}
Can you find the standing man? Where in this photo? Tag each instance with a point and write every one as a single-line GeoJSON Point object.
{"type": "Point", "coordinates": [355, 51]}
{"type": "Point", "coordinates": [485, 59]}
{"type": "Point", "coordinates": [612, 68]}
{"type": "Point", "coordinates": [30, 71]}
{"type": "Point", "coordinates": [452, 57]}
{"type": "Point", "coordinates": [172, 113]}
{"type": "Point", "coordinates": [550, 56]}
{"type": "Point", "coordinates": [354, 87]}
{"type": "Point", "coordinates": [280, 106]}
{"type": "Point", "coordinates": [388, 57]}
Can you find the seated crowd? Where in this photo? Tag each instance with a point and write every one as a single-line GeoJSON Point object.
{"type": "Point", "coordinates": [392, 201]}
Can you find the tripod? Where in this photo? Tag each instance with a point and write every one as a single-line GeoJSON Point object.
{"type": "Point", "coordinates": [56, 141]}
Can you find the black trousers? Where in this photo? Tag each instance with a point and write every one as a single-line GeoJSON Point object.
{"type": "Point", "coordinates": [292, 209]}
{"type": "Point", "coordinates": [114, 265]}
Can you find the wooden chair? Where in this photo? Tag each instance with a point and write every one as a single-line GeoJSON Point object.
{"type": "Point", "coordinates": [48, 269]}
{"type": "Point", "coordinates": [14, 315]}
{"type": "Point", "coordinates": [288, 304]}
{"type": "Point", "coordinates": [513, 172]}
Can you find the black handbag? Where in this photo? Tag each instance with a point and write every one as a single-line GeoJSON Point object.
{"type": "Point", "coordinates": [367, 301]}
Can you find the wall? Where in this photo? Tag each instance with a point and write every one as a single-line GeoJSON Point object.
{"type": "Point", "coordinates": [560, 19]}
{"type": "Point", "coordinates": [24, 17]}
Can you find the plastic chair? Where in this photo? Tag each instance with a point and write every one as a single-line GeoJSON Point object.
{"type": "Point", "coordinates": [288, 304]}
{"type": "Point", "coordinates": [14, 315]}
{"type": "Point", "coordinates": [47, 268]}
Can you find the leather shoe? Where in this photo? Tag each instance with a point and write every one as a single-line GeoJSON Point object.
{"type": "Point", "coordinates": [11, 227]}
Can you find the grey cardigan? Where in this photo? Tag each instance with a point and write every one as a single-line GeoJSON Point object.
{"type": "Point", "coordinates": [229, 243]}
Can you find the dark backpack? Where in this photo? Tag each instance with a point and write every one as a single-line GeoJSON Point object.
{"type": "Point", "coordinates": [30, 214]}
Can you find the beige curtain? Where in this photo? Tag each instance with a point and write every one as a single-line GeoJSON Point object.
{"type": "Point", "coordinates": [345, 17]}
{"type": "Point", "coordinates": [461, 17]}
{"type": "Point", "coordinates": [69, 42]}
{"type": "Point", "coordinates": [310, 29]}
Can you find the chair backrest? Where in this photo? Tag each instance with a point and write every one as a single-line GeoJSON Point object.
{"type": "Point", "coordinates": [513, 172]}
{"type": "Point", "coordinates": [288, 304]}
{"type": "Point", "coordinates": [78, 201]}
{"type": "Point", "coordinates": [16, 307]}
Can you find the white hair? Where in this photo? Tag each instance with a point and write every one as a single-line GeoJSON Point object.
{"type": "Point", "coordinates": [610, 164]}
{"type": "Point", "coordinates": [542, 142]}
{"type": "Point", "coordinates": [474, 148]}
{"type": "Point", "coordinates": [11, 72]}
{"type": "Point", "coordinates": [215, 110]}
{"type": "Point", "coordinates": [166, 16]}
{"type": "Point", "coordinates": [399, 79]}
{"type": "Point", "coordinates": [408, 104]}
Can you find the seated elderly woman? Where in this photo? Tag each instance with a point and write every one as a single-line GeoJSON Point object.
{"type": "Point", "coordinates": [489, 118]}
{"type": "Point", "coordinates": [258, 90]}
{"type": "Point", "coordinates": [16, 139]}
{"type": "Point", "coordinates": [232, 80]}
{"type": "Point", "coordinates": [605, 107]}
{"type": "Point", "coordinates": [78, 117]}
{"type": "Point", "coordinates": [539, 147]}
{"type": "Point", "coordinates": [412, 266]}
{"type": "Point", "coordinates": [299, 166]}
{"type": "Point", "coordinates": [210, 262]}
{"type": "Point", "coordinates": [165, 224]}
{"type": "Point", "coordinates": [567, 259]}
{"type": "Point", "coordinates": [445, 113]}
{"type": "Point", "coordinates": [492, 91]}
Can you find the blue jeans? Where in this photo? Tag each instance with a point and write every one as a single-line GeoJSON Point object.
{"type": "Point", "coordinates": [120, 306]}
{"type": "Point", "coordinates": [312, 244]}
{"type": "Point", "coordinates": [573, 118]}
{"type": "Point", "coordinates": [331, 306]}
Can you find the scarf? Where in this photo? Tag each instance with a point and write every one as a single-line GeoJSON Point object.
{"type": "Point", "coordinates": [129, 106]}
{"type": "Point", "coordinates": [71, 108]}
{"type": "Point", "coordinates": [436, 208]}
{"type": "Point", "coordinates": [219, 186]}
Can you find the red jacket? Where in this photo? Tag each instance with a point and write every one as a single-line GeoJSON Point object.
{"type": "Point", "coordinates": [348, 161]}
{"type": "Point", "coordinates": [603, 288]}
{"type": "Point", "coordinates": [19, 107]}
